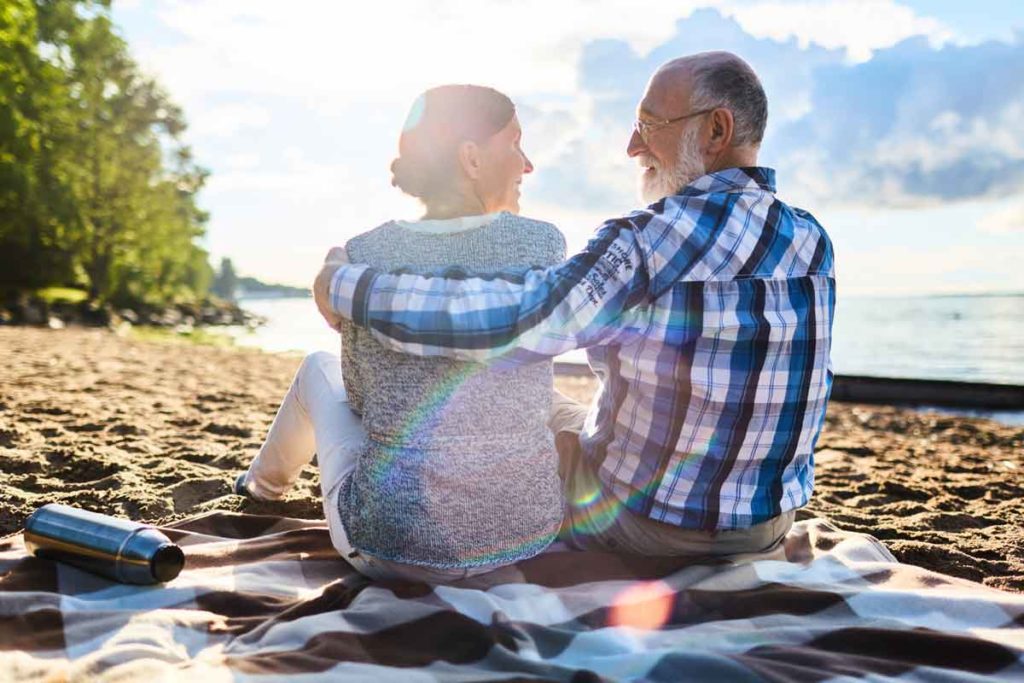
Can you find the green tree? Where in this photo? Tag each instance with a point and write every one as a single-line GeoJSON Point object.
{"type": "Point", "coordinates": [226, 283]}
{"type": "Point", "coordinates": [35, 208]}
{"type": "Point", "coordinates": [96, 187]}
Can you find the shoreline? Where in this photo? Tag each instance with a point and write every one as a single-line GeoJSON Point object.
{"type": "Point", "coordinates": [920, 395]}
{"type": "Point", "coordinates": [1003, 403]}
{"type": "Point", "coordinates": [156, 431]}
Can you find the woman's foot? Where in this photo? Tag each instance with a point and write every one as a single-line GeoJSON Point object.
{"type": "Point", "coordinates": [239, 487]}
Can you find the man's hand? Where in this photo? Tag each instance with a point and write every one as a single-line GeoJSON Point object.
{"type": "Point", "coordinates": [336, 258]}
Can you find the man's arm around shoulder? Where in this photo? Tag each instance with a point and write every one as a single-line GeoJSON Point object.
{"type": "Point", "coordinates": [527, 317]}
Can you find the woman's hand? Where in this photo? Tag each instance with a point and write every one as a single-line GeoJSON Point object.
{"type": "Point", "coordinates": [336, 258]}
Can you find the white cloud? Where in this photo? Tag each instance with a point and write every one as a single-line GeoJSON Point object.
{"type": "Point", "coordinates": [296, 108]}
{"type": "Point", "coordinates": [278, 222]}
{"type": "Point", "coordinates": [1007, 220]}
{"type": "Point", "coordinates": [897, 270]}
{"type": "Point", "coordinates": [593, 171]}
{"type": "Point", "coordinates": [913, 125]}
{"type": "Point", "coordinates": [365, 62]}
{"type": "Point", "coordinates": [229, 119]}
{"type": "Point", "coordinates": [858, 26]}
{"type": "Point", "coordinates": [241, 161]}
{"type": "Point", "coordinates": [326, 52]}
{"type": "Point", "coordinates": [339, 193]}
{"type": "Point", "coordinates": [960, 137]}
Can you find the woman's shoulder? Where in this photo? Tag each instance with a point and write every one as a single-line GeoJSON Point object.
{"type": "Point", "coordinates": [525, 222]}
{"type": "Point", "coordinates": [378, 231]}
{"type": "Point", "coordinates": [368, 240]}
{"type": "Point", "coordinates": [534, 229]}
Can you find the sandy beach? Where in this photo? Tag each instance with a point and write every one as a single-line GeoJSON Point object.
{"type": "Point", "coordinates": [156, 431]}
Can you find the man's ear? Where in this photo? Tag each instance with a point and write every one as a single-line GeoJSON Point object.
{"type": "Point", "coordinates": [469, 159]}
{"type": "Point", "coordinates": [722, 127]}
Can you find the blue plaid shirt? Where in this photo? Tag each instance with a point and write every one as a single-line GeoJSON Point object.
{"type": "Point", "coordinates": [708, 319]}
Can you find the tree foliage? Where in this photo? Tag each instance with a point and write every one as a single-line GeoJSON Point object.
{"type": "Point", "coordinates": [96, 188]}
{"type": "Point", "coordinates": [225, 284]}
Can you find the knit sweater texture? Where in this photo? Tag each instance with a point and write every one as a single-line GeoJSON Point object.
{"type": "Point", "coordinates": [458, 468]}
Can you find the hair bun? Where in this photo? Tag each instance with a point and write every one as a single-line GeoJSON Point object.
{"type": "Point", "coordinates": [405, 177]}
{"type": "Point", "coordinates": [396, 170]}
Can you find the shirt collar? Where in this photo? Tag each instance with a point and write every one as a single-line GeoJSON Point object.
{"type": "Point", "coordinates": [733, 180]}
{"type": "Point", "coordinates": [442, 226]}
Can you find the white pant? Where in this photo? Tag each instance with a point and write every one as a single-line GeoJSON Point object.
{"type": "Point", "coordinates": [315, 418]}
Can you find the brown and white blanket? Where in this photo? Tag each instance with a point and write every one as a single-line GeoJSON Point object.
{"type": "Point", "coordinates": [262, 597]}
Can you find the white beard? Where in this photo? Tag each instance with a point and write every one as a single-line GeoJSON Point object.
{"type": "Point", "coordinates": [664, 182]}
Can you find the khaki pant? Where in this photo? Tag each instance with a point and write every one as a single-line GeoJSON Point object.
{"type": "Point", "coordinates": [596, 520]}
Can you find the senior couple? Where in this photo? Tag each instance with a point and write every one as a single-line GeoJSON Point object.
{"type": "Point", "coordinates": [706, 316]}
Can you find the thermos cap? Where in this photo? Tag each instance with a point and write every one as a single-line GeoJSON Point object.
{"type": "Point", "coordinates": [167, 562]}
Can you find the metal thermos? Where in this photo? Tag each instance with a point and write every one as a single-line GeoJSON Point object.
{"type": "Point", "coordinates": [118, 549]}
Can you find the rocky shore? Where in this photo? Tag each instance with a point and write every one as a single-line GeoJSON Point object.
{"type": "Point", "coordinates": [26, 309]}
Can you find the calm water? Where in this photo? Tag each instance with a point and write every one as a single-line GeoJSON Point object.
{"type": "Point", "coordinates": [970, 338]}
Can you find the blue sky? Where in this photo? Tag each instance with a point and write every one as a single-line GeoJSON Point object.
{"type": "Point", "coordinates": [898, 124]}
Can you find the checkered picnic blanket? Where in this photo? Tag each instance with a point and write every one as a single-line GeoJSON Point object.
{"type": "Point", "coordinates": [264, 597]}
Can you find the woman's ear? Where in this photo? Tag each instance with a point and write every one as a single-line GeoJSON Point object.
{"type": "Point", "coordinates": [469, 159]}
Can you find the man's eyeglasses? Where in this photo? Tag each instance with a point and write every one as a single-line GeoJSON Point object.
{"type": "Point", "coordinates": [645, 128]}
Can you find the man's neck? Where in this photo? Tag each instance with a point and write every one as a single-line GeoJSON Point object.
{"type": "Point", "coordinates": [735, 157]}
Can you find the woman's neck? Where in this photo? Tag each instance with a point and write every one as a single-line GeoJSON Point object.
{"type": "Point", "coordinates": [453, 207]}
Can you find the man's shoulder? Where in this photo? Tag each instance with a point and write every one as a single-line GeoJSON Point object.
{"type": "Point", "coordinates": [633, 221]}
{"type": "Point", "coordinates": [805, 216]}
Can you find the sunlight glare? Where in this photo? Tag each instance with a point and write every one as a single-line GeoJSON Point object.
{"type": "Point", "coordinates": [643, 605]}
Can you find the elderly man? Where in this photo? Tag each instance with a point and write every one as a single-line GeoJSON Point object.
{"type": "Point", "coordinates": [707, 317]}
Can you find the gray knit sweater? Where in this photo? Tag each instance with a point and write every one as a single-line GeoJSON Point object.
{"type": "Point", "coordinates": [459, 468]}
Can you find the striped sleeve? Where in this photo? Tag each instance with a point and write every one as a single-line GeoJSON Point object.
{"type": "Point", "coordinates": [593, 297]}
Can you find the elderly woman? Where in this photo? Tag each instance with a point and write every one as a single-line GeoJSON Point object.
{"type": "Point", "coordinates": [431, 469]}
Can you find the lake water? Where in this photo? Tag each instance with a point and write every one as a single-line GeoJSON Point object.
{"type": "Point", "coordinates": [968, 338]}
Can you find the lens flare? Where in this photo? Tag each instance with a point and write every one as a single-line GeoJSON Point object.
{"type": "Point", "coordinates": [588, 498]}
{"type": "Point", "coordinates": [415, 114]}
{"type": "Point", "coordinates": [593, 511]}
{"type": "Point", "coordinates": [590, 512]}
{"type": "Point", "coordinates": [644, 605]}
{"type": "Point", "coordinates": [416, 423]}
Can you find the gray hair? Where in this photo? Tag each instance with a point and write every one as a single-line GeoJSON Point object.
{"type": "Point", "coordinates": [732, 84]}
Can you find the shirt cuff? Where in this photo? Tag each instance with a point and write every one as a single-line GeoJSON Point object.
{"type": "Point", "coordinates": [349, 291]}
